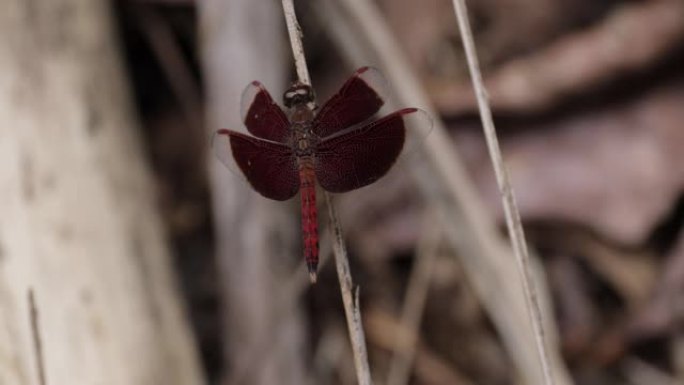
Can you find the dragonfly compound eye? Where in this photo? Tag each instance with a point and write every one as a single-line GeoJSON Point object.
{"type": "Point", "coordinates": [298, 94]}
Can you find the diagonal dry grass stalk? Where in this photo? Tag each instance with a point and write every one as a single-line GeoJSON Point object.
{"type": "Point", "coordinates": [515, 229]}
{"type": "Point", "coordinates": [349, 296]}
{"type": "Point", "coordinates": [359, 30]}
{"type": "Point", "coordinates": [37, 339]}
{"type": "Point", "coordinates": [404, 352]}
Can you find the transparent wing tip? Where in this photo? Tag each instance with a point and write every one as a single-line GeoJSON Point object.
{"type": "Point", "coordinates": [220, 144]}
{"type": "Point", "coordinates": [418, 125]}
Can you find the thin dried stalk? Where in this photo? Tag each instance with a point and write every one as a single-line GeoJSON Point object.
{"type": "Point", "coordinates": [414, 304]}
{"type": "Point", "coordinates": [37, 340]}
{"type": "Point", "coordinates": [515, 229]}
{"type": "Point", "coordinates": [295, 33]}
{"type": "Point", "coordinates": [350, 299]}
{"type": "Point", "coordinates": [358, 28]}
{"type": "Point", "coordinates": [351, 303]}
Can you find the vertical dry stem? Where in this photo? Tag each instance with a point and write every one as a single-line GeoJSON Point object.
{"type": "Point", "coordinates": [414, 303]}
{"type": "Point", "coordinates": [350, 299]}
{"type": "Point", "coordinates": [513, 224]}
{"type": "Point", "coordinates": [37, 340]}
{"type": "Point", "coordinates": [295, 33]}
{"type": "Point", "coordinates": [359, 29]}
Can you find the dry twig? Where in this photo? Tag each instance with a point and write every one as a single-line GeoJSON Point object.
{"type": "Point", "coordinates": [359, 29]}
{"type": "Point", "coordinates": [37, 340]}
{"type": "Point", "coordinates": [351, 300]}
{"type": "Point", "coordinates": [515, 229]}
{"type": "Point", "coordinates": [414, 304]}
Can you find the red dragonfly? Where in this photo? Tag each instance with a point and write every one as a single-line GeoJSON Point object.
{"type": "Point", "coordinates": [338, 145]}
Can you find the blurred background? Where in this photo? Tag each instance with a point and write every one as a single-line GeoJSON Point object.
{"type": "Point", "coordinates": [588, 99]}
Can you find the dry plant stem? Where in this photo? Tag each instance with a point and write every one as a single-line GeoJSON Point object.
{"type": "Point", "coordinates": [37, 340]}
{"type": "Point", "coordinates": [414, 304]}
{"type": "Point", "coordinates": [350, 300]}
{"type": "Point", "coordinates": [295, 33]}
{"type": "Point", "coordinates": [359, 29]}
{"type": "Point", "coordinates": [513, 224]}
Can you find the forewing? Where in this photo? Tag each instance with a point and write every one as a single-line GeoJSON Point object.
{"type": "Point", "coordinates": [262, 116]}
{"type": "Point", "coordinates": [362, 155]}
{"type": "Point", "coordinates": [269, 167]}
{"type": "Point", "coordinates": [359, 99]}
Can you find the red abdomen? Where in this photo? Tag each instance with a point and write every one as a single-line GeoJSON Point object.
{"type": "Point", "coordinates": [307, 190]}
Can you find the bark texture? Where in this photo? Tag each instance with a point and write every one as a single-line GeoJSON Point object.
{"type": "Point", "coordinates": [78, 219]}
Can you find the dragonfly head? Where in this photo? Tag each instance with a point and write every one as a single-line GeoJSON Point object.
{"type": "Point", "coordinates": [298, 94]}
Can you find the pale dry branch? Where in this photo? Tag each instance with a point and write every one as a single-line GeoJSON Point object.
{"type": "Point", "coordinates": [350, 297]}
{"type": "Point", "coordinates": [37, 339]}
{"type": "Point", "coordinates": [364, 38]}
{"type": "Point", "coordinates": [414, 303]}
{"type": "Point", "coordinates": [513, 223]}
{"type": "Point", "coordinates": [294, 31]}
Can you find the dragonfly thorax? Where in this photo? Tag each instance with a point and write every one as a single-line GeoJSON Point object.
{"type": "Point", "coordinates": [304, 140]}
{"type": "Point", "coordinates": [301, 114]}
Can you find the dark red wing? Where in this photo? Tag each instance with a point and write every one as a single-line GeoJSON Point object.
{"type": "Point", "coordinates": [271, 168]}
{"type": "Point", "coordinates": [361, 156]}
{"type": "Point", "coordinates": [263, 117]}
{"type": "Point", "coordinates": [357, 100]}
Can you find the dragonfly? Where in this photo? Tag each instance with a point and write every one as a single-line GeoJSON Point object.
{"type": "Point", "coordinates": [339, 146]}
